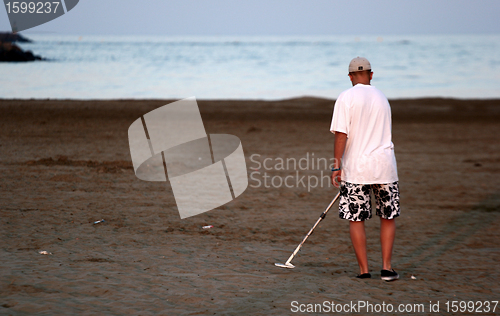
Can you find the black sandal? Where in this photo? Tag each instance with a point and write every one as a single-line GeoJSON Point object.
{"type": "Point", "coordinates": [389, 275]}
{"type": "Point", "coordinates": [364, 276]}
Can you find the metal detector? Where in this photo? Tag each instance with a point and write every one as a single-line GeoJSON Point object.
{"type": "Point", "coordinates": [287, 264]}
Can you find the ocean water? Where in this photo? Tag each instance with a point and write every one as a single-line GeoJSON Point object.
{"type": "Point", "coordinates": [155, 67]}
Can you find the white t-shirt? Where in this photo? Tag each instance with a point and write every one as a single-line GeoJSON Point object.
{"type": "Point", "coordinates": [364, 114]}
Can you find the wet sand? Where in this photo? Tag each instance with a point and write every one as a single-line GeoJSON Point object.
{"type": "Point", "coordinates": [66, 164]}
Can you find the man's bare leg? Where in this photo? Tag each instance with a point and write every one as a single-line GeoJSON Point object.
{"type": "Point", "coordinates": [387, 235]}
{"type": "Point", "coordinates": [358, 238]}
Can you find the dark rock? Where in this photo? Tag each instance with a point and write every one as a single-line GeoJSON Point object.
{"type": "Point", "coordinates": [13, 53]}
{"type": "Point", "coordinates": [7, 37]}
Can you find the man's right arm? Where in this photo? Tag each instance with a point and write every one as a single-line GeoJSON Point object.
{"type": "Point", "coordinates": [338, 152]}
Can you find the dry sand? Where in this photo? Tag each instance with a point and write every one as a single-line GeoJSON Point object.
{"type": "Point", "coordinates": [66, 164]}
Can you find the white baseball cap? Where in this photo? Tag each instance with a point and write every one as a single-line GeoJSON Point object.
{"type": "Point", "coordinates": [359, 64]}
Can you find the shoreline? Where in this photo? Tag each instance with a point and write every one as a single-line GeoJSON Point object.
{"type": "Point", "coordinates": [421, 109]}
{"type": "Point", "coordinates": [252, 99]}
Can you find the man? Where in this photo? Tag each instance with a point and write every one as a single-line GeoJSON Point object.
{"type": "Point", "coordinates": [365, 161]}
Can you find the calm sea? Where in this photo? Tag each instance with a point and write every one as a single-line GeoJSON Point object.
{"type": "Point", "coordinates": [154, 67]}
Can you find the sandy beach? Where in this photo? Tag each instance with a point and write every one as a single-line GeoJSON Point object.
{"type": "Point", "coordinates": [66, 164]}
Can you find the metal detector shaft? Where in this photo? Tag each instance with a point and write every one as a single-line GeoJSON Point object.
{"type": "Point", "coordinates": [310, 232]}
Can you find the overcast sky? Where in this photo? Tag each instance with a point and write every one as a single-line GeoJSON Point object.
{"type": "Point", "coordinates": [274, 17]}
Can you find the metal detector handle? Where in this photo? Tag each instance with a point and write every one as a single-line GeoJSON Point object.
{"type": "Point", "coordinates": [323, 215]}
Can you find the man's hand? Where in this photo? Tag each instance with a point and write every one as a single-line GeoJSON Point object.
{"type": "Point", "coordinates": [336, 177]}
